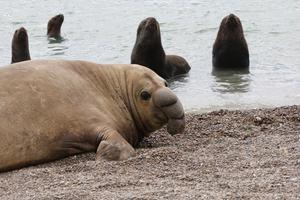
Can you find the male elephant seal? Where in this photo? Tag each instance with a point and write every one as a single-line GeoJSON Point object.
{"type": "Point", "coordinates": [230, 50]}
{"type": "Point", "coordinates": [148, 51]}
{"type": "Point", "coordinates": [50, 109]}
{"type": "Point", "coordinates": [54, 26]}
{"type": "Point", "coordinates": [20, 46]}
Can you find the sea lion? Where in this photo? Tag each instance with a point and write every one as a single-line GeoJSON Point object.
{"type": "Point", "coordinates": [230, 50]}
{"type": "Point", "coordinates": [148, 51]}
{"type": "Point", "coordinates": [54, 26]}
{"type": "Point", "coordinates": [20, 46]}
{"type": "Point", "coordinates": [51, 109]}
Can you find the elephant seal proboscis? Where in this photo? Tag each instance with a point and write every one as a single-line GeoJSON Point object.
{"type": "Point", "coordinates": [230, 49]}
{"type": "Point", "coordinates": [50, 109]}
{"type": "Point", "coordinates": [20, 46]}
{"type": "Point", "coordinates": [148, 51]}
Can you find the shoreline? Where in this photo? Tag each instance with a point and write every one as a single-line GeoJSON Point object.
{"type": "Point", "coordinates": [248, 154]}
{"type": "Point", "coordinates": [242, 107]}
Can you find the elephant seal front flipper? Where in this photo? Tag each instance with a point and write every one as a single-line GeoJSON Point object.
{"type": "Point", "coordinates": [106, 142]}
{"type": "Point", "coordinates": [113, 146]}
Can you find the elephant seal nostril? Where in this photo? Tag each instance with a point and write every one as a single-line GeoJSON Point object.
{"type": "Point", "coordinates": [170, 103]}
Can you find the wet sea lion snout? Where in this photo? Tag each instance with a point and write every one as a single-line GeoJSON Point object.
{"type": "Point", "coordinates": [54, 26]}
{"type": "Point", "coordinates": [232, 21]}
{"type": "Point", "coordinates": [151, 24]}
{"type": "Point", "coordinates": [149, 33]}
{"type": "Point", "coordinates": [21, 33]}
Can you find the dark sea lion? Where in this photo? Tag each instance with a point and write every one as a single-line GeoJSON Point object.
{"type": "Point", "coordinates": [54, 26]}
{"type": "Point", "coordinates": [230, 50]}
{"type": "Point", "coordinates": [20, 46]}
{"type": "Point", "coordinates": [51, 109]}
{"type": "Point", "coordinates": [148, 51]}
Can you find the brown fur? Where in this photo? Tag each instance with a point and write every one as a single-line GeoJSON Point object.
{"type": "Point", "coordinates": [52, 109]}
{"type": "Point", "coordinates": [148, 51]}
{"type": "Point", "coordinates": [20, 46]}
{"type": "Point", "coordinates": [230, 50]}
{"type": "Point", "coordinates": [54, 26]}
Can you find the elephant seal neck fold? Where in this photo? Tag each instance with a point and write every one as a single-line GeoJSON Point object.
{"type": "Point", "coordinates": [108, 81]}
{"type": "Point", "coordinates": [129, 98]}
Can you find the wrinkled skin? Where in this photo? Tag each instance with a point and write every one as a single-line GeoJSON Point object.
{"type": "Point", "coordinates": [230, 50]}
{"type": "Point", "coordinates": [20, 46]}
{"type": "Point", "coordinates": [54, 26]}
{"type": "Point", "coordinates": [51, 109]}
{"type": "Point", "coordinates": [148, 51]}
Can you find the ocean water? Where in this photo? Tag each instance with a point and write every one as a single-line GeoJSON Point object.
{"type": "Point", "coordinates": [104, 32]}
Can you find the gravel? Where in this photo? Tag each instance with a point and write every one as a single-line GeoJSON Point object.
{"type": "Point", "coordinates": [251, 154]}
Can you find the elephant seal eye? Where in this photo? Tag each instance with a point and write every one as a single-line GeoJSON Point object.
{"type": "Point", "coordinates": [145, 95]}
{"type": "Point", "coordinates": [166, 84]}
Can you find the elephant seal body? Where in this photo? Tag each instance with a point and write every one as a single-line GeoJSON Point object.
{"type": "Point", "coordinates": [230, 50]}
{"type": "Point", "coordinates": [54, 26]}
{"type": "Point", "coordinates": [50, 109]}
{"type": "Point", "coordinates": [148, 51]}
{"type": "Point", "coordinates": [20, 46]}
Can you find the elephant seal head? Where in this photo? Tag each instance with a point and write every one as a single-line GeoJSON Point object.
{"type": "Point", "coordinates": [154, 104]}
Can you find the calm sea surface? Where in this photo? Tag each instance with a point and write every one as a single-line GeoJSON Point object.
{"type": "Point", "coordinates": [104, 32]}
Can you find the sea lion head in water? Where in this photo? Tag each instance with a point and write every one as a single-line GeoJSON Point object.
{"type": "Point", "coordinates": [230, 50]}
{"type": "Point", "coordinates": [54, 26]}
{"type": "Point", "coordinates": [149, 32]}
{"type": "Point", "coordinates": [20, 46]}
{"type": "Point", "coordinates": [70, 107]}
{"type": "Point", "coordinates": [148, 50]}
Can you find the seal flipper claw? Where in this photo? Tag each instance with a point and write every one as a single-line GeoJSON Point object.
{"type": "Point", "coordinates": [114, 147]}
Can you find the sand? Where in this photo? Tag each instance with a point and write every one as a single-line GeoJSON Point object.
{"type": "Point", "coordinates": [252, 154]}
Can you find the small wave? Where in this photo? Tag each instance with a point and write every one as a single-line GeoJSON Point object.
{"type": "Point", "coordinates": [206, 30]}
{"type": "Point", "coordinates": [17, 23]}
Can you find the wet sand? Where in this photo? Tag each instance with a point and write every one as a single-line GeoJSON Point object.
{"type": "Point", "coordinates": [252, 154]}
